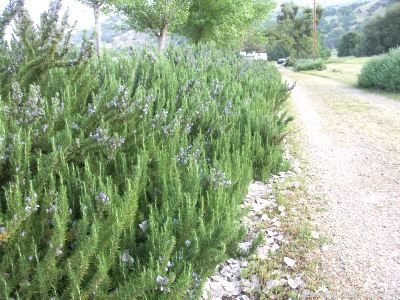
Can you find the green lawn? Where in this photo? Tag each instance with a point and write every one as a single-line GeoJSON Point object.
{"type": "Point", "coordinates": [346, 70]}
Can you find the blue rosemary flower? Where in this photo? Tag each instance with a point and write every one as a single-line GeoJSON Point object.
{"type": "Point", "coordinates": [219, 179]}
{"type": "Point", "coordinates": [127, 258]}
{"type": "Point", "coordinates": [162, 282]}
{"type": "Point", "coordinates": [103, 198]}
{"type": "Point", "coordinates": [100, 135]}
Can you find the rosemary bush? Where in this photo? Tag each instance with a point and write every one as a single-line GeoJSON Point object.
{"type": "Point", "coordinates": [122, 177]}
{"type": "Point", "coordinates": [382, 72]}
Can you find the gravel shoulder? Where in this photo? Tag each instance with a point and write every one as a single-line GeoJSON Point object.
{"type": "Point", "coordinates": [351, 148]}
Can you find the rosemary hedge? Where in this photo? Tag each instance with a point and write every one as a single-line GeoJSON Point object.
{"type": "Point", "coordinates": [122, 177]}
{"type": "Point", "coordinates": [382, 72]}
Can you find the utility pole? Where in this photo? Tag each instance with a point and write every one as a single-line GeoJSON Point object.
{"type": "Point", "coordinates": [315, 30]}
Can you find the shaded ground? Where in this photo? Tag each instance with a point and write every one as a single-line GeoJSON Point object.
{"type": "Point", "coordinates": [351, 142]}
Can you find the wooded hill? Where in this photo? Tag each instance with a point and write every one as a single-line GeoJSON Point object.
{"type": "Point", "coordinates": [339, 20]}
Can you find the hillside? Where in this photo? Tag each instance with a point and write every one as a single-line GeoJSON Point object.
{"type": "Point", "coordinates": [340, 19]}
{"type": "Point", "coordinates": [116, 35]}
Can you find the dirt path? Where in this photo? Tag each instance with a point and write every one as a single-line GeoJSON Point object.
{"type": "Point", "coordinates": [351, 142]}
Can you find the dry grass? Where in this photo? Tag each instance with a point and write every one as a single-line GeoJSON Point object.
{"type": "Point", "coordinates": [346, 70]}
{"type": "Point", "coordinates": [300, 246]}
{"type": "Point", "coordinates": [343, 69]}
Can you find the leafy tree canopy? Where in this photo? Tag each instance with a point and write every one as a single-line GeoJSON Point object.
{"type": "Point", "coordinates": [293, 32]}
{"type": "Point", "coordinates": [381, 34]}
{"type": "Point", "coordinates": [154, 16]}
{"type": "Point", "coordinates": [225, 22]}
{"type": "Point", "coordinates": [348, 43]}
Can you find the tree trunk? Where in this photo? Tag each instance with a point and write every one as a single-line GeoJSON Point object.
{"type": "Point", "coordinates": [162, 38]}
{"type": "Point", "coordinates": [96, 10]}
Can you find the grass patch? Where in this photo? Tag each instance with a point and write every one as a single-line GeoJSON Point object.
{"type": "Point", "coordinates": [342, 69]}
{"type": "Point", "coordinates": [356, 106]}
{"type": "Point", "coordinates": [348, 60]}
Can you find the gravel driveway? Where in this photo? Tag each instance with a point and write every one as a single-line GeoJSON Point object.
{"type": "Point", "coordinates": [351, 142]}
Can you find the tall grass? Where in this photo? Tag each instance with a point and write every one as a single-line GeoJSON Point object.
{"type": "Point", "coordinates": [382, 72]}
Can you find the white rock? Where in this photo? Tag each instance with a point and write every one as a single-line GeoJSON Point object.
{"type": "Point", "coordinates": [281, 208]}
{"type": "Point", "coordinates": [270, 241]}
{"type": "Point", "coordinates": [289, 262]}
{"type": "Point", "coordinates": [255, 281]}
{"type": "Point", "coordinates": [296, 184]}
{"type": "Point", "coordinates": [264, 218]}
{"type": "Point", "coordinates": [233, 288]}
{"type": "Point", "coordinates": [315, 234]}
{"type": "Point", "coordinates": [282, 282]}
{"type": "Point", "coordinates": [245, 285]}
{"type": "Point", "coordinates": [217, 278]}
{"type": "Point", "coordinates": [274, 247]}
{"type": "Point", "coordinates": [245, 246]}
{"type": "Point", "coordinates": [263, 252]}
{"type": "Point", "coordinates": [277, 224]}
{"type": "Point", "coordinates": [293, 283]}
{"type": "Point", "coordinates": [272, 283]}
{"type": "Point", "coordinates": [325, 248]}
{"type": "Point", "coordinates": [232, 261]}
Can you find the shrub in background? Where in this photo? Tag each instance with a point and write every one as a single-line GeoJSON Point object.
{"type": "Point", "coordinates": [122, 177]}
{"type": "Point", "coordinates": [290, 61]}
{"type": "Point", "coordinates": [309, 64]}
{"type": "Point", "coordinates": [382, 72]}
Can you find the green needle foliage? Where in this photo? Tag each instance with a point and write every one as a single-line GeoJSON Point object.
{"type": "Point", "coordinates": [33, 50]}
{"type": "Point", "coordinates": [121, 177]}
{"type": "Point", "coordinates": [382, 72]}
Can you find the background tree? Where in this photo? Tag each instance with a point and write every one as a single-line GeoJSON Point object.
{"type": "Point", "coordinates": [155, 16]}
{"type": "Point", "coordinates": [295, 28]}
{"type": "Point", "coordinates": [254, 40]}
{"type": "Point", "coordinates": [348, 43]}
{"type": "Point", "coordinates": [225, 22]}
{"type": "Point", "coordinates": [8, 14]}
{"type": "Point", "coordinates": [97, 6]}
{"type": "Point", "coordinates": [278, 45]}
{"type": "Point", "coordinates": [381, 34]}
{"type": "Point", "coordinates": [292, 33]}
